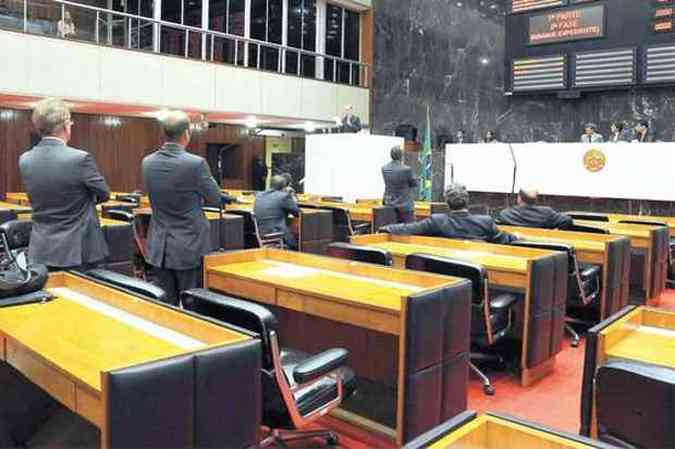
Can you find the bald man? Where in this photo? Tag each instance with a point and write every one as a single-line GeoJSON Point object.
{"type": "Point", "coordinates": [178, 184]}
{"type": "Point", "coordinates": [350, 123]}
{"type": "Point", "coordinates": [527, 213]}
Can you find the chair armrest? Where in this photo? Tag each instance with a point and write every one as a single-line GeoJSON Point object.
{"type": "Point", "coordinates": [273, 236]}
{"type": "Point", "coordinates": [320, 365]}
{"type": "Point", "coordinates": [503, 301]}
{"type": "Point", "coordinates": [121, 215]}
{"type": "Point", "coordinates": [361, 228]}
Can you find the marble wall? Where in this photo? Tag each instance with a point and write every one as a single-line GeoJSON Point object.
{"type": "Point", "coordinates": [449, 54]}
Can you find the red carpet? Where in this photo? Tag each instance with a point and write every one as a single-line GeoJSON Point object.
{"type": "Point", "coordinates": [554, 401]}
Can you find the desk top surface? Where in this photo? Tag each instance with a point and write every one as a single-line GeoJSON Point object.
{"type": "Point", "coordinates": [629, 230]}
{"type": "Point", "coordinates": [485, 258]}
{"type": "Point", "coordinates": [209, 215]}
{"type": "Point", "coordinates": [670, 221]}
{"type": "Point", "coordinates": [15, 207]}
{"type": "Point", "coordinates": [649, 344]}
{"type": "Point", "coordinates": [581, 241]}
{"type": "Point", "coordinates": [345, 286]}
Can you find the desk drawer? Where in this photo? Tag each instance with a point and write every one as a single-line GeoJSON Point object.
{"type": "Point", "coordinates": [40, 373]}
{"type": "Point", "coordinates": [238, 287]}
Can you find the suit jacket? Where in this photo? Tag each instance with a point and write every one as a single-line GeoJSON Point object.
{"type": "Point", "coordinates": [64, 186]}
{"type": "Point", "coordinates": [647, 138]}
{"type": "Point", "coordinates": [272, 208]}
{"type": "Point", "coordinates": [593, 138]}
{"type": "Point", "coordinates": [455, 225]}
{"type": "Point", "coordinates": [352, 125]}
{"type": "Point", "coordinates": [398, 184]}
{"type": "Point", "coordinates": [534, 217]}
{"type": "Point", "coordinates": [178, 184]}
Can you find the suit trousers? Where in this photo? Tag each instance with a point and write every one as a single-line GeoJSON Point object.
{"type": "Point", "coordinates": [405, 215]}
{"type": "Point", "coordinates": [173, 282]}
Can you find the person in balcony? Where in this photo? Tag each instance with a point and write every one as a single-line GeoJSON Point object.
{"type": "Point", "coordinates": [66, 26]}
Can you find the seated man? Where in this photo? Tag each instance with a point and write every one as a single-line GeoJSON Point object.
{"type": "Point", "coordinates": [528, 214]}
{"type": "Point", "coordinates": [272, 208]}
{"type": "Point", "coordinates": [458, 224]}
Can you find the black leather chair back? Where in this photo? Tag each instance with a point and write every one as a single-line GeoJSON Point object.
{"type": "Point", "coordinates": [332, 199]}
{"type": "Point", "coordinates": [243, 314]}
{"type": "Point", "coordinates": [118, 214]}
{"type": "Point", "coordinates": [643, 222]}
{"type": "Point", "coordinates": [7, 215]}
{"type": "Point", "coordinates": [17, 233]}
{"type": "Point", "coordinates": [359, 253]}
{"type": "Point", "coordinates": [587, 229]}
{"type": "Point", "coordinates": [251, 235]}
{"type": "Point", "coordinates": [635, 404]}
{"type": "Point", "coordinates": [129, 198]}
{"type": "Point", "coordinates": [127, 283]}
{"type": "Point", "coordinates": [551, 246]}
{"type": "Point", "coordinates": [452, 267]}
{"type": "Point", "coordinates": [590, 217]}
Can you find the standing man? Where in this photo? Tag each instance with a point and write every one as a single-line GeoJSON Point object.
{"type": "Point", "coordinates": [398, 187]}
{"type": "Point", "coordinates": [272, 208]}
{"type": "Point", "coordinates": [350, 123]}
{"type": "Point", "coordinates": [63, 186]}
{"type": "Point", "coordinates": [591, 134]}
{"type": "Point", "coordinates": [178, 184]}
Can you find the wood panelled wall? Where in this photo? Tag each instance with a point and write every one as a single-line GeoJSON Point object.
{"type": "Point", "coordinates": [119, 145]}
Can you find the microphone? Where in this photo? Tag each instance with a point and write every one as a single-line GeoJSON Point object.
{"type": "Point", "coordinates": [515, 172]}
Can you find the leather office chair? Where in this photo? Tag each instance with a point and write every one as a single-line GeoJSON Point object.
{"type": "Point", "coordinates": [589, 217]}
{"type": "Point", "coordinates": [634, 404]}
{"type": "Point", "coordinates": [583, 283]}
{"type": "Point", "coordinates": [359, 253]}
{"type": "Point", "coordinates": [139, 229]}
{"type": "Point", "coordinates": [587, 229]}
{"type": "Point", "coordinates": [134, 198]}
{"type": "Point", "coordinates": [252, 236]}
{"type": "Point", "coordinates": [133, 285]}
{"type": "Point", "coordinates": [344, 227]}
{"type": "Point", "coordinates": [491, 317]}
{"type": "Point", "coordinates": [298, 388]}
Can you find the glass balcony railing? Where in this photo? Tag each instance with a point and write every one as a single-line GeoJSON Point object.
{"type": "Point", "coordinates": [74, 21]}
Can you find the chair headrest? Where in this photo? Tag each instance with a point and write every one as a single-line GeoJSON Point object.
{"type": "Point", "coordinates": [551, 246]}
{"type": "Point", "coordinates": [237, 312]}
{"type": "Point", "coordinates": [588, 229]}
{"type": "Point", "coordinates": [643, 222]}
{"type": "Point", "coordinates": [128, 283]}
{"type": "Point", "coordinates": [474, 272]}
{"type": "Point", "coordinates": [17, 232]}
{"type": "Point", "coordinates": [589, 217]}
{"type": "Point", "coordinates": [359, 253]}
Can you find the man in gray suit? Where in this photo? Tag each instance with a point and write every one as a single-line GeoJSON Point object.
{"type": "Point", "coordinates": [272, 208]}
{"type": "Point", "coordinates": [63, 186]}
{"type": "Point", "coordinates": [178, 184]}
{"type": "Point", "coordinates": [591, 134]}
{"type": "Point", "coordinates": [399, 183]}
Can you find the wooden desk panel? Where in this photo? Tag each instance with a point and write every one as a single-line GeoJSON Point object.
{"type": "Point", "coordinates": [615, 218]}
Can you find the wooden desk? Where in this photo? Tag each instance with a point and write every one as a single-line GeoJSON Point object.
{"type": "Point", "coordinates": [611, 252]}
{"type": "Point", "coordinates": [616, 218]}
{"type": "Point", "coordinates": [69, 345]}
{"type": "Point", "coordinates": [511, 267]}
{"type": "Point", "coordinates": [423, 209]}
{"type": "Point", "coordinates": [348, 296]}
{"type": "Point", "coordinates": [21, 199]}
{"type": "Point", "coordinates": [232, 228]}
{"type": "Point", "coordinates": [313, 229]}
{"type": "Point", "coordinates": [641, 334]}
{"type": "Point", "coordinates": [491, 431]}
{"type": "Point", "coordinates": [650, 249]}
{"type": "Point", "coordinates": [18, 198]}
{"type": "Point", "coordinates": [14, 207]}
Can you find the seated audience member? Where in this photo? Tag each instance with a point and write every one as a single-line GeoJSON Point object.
{"type": "Point", "coordinates": [399, 183]}
{"type": "Point", "coordinates": [272, 208]}
{"type": "Point", "coordinates": [619, 133]}
{"type": "Point", "coordinates": [66, 27]}
{"type": "Point", "coordinates": [460, 136]}
{"type": "Point", "coordinates": [528, 214]}
{"type": "Point", "coordinates": [457, 224]}
{"type": "Point", "coordinates": [591, 134]}
{"type": "Point", "coordinates": [64, 186]}
{"type": "Point", "coordinates": [643, 133]}
{"type": "Point", "coordinates": [351, 123]}
{"type": "Point", "coordinates": [490, 137]}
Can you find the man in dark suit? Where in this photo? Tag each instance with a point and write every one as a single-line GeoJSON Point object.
{"type": "Point", "coordinates": [178, 184]}
{"type": "Point", "coordinates": [643, 133]}
{"type": "Point", "coordinates": [398, 184]}
{"type": "Point", "coordinates": [63, 186]}
{"type": "Point", "coordinates": [528, 214]}
{"type": "Point", "coordinates": [272, 208]}
{"type": "Point", "coordinates": [458, 224]}
{"type": "Point", "coordinates": [350, 123]}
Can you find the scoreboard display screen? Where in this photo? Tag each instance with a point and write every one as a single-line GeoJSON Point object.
{"type": "Point", "coordinates": [594, 44]}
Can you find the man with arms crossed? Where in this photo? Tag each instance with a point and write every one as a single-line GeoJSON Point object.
{"type": "Point", "coordinates": [63, 186]}
{"type": "Point", "coordinates": [178, 184]}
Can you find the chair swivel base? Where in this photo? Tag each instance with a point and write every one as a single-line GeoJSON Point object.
{"type": "Point", "coordinates": [278, 439]}
{"type": "Point", "coordinates": [574, 337]}
{"type": "Point", "coordinates": [488, 389]}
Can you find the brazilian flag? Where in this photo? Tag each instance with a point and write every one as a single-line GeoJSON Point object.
{"type": "Point", "coordinates": [425, 157]}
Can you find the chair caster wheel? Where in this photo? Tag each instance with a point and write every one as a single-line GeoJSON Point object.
{"type": "Point", "coordinates": [332, 440]}
{"type": "Point", "coordinates": [574, 343]}
{"type": "Point", "coordinates": [489, 390]}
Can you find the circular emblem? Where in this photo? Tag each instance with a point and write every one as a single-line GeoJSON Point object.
{"type": "Point", "coordinates": [594, 160]}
